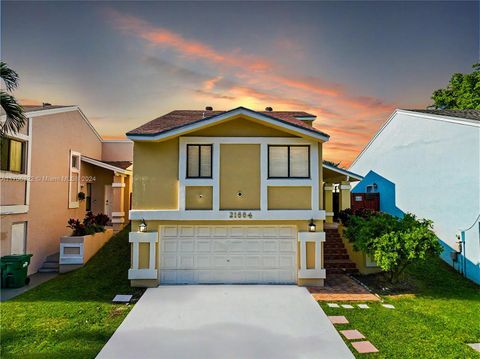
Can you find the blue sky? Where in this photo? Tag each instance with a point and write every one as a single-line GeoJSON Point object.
{"type": "Point", "coordinates": [350, 63]}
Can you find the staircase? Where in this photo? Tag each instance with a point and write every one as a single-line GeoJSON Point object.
{"type": "Point", "coordinates": [335, 254]}
{"type": "Point", "coordinates": [51, 264]}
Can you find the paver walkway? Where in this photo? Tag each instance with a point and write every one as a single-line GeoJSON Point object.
{"type": "Point", "coordinates": [340, 287]}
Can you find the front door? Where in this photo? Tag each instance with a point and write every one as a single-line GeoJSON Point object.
{"type": "Point", "coordinates": [108, 200]}
{"type": "Point", "coordinates": [19, 238]}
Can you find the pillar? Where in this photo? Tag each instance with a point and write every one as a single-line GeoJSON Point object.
{"type": "Point", "coordinates": [118, 190]}
{"type": "Point", "coordinates": [345, 195]}
{"type": "Point", "coordinates": [328, 201]}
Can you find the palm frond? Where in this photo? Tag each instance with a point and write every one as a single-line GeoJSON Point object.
{"type": "Point", "coordinates": [15, 119]}
{"type": "Point", "coordinates": [8, 76]}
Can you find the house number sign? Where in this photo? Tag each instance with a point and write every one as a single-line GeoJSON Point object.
{"type": "Point", "coordinates": [241, 215]}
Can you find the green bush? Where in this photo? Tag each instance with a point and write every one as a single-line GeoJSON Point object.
{"type": "Point", "coordinates": [394, 243]}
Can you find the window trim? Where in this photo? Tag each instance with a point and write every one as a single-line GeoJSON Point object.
{"type": "Point", "coordinates": [23, 165]}
{"type": "Point", "coordinates": [200, 145]}
{"type": "Point", "coordinates": [288, 162]}
{"type": "Point", "coordinates": [72, 169]}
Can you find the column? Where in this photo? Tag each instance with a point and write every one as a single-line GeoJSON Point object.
{"type": "Point", "coordinates": [328, 201]}
{"type": "Point", "coordinates": [118, 190]}
{"type": "Point", "coordinates": [345, 195]}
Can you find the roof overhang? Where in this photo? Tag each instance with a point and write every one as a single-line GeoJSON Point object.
{"type": "Point", "coordinates": [106, 166]}
{"type": "Point", "coordinates": [349, 176]}
{"type": "Point", "coordinates": [204, 122]}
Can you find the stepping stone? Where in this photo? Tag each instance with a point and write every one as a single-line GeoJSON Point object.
{"type": "Point", "coordinates": [389, 306]}
{"type": "Point", "coordinates": [340, 319]}
{"type": "Point", "coordinates": [333, 305]}
{"type": "Point", "coordinates": [475, 346]}
{"type": "Point", "coordinates": [352, 334]}
{"type": "Point", "coordinates": [347, 306]}
{"type": "Point", "coordinates": [363, 306]}
{"type": "Point", "coordinates": [364, 347]}
{"type": "Point", "coordinates": [122, 298]}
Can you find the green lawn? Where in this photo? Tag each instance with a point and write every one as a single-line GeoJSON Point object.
{"type": "Point", "coordinates": [432, 319]}
{"type": "Point", "coordinates": [70, 316]}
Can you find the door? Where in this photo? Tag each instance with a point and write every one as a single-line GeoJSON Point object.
{"type": "Point", "coordinates": [19, 238]}
{"type": "Point", "coordinates": [108, 200]}
{"type": "Point", "coordinates": [228, 254]}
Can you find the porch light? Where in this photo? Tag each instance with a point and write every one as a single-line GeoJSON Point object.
{"type": "Point", "coordinates": [142, 227]}
{"type": "Point", "coordinates": [311, 226]}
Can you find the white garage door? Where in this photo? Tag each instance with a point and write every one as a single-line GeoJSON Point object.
{"type": "Point", "coordinates": [228, 254]}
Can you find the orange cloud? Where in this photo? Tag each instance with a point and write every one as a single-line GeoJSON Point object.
{"type": "Point", "coordinates": [350, 120]}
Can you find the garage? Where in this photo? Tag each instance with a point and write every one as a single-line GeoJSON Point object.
{"type": "Point", "coordinates": [227, 254]}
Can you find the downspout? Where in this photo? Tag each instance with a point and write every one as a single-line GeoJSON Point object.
{"type": "Point", "coordinates": [462, 239]}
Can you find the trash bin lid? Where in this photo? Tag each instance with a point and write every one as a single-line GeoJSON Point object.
{"type": "Point", "coordinates": [16, 257]}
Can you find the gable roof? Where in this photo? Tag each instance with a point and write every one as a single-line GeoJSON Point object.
{"type": "Point", "coordinates": [177, 120]}
{"type": "Point", "coordinates": [467, 114]}
{"type": "Point", "coordinates": [116, 166]}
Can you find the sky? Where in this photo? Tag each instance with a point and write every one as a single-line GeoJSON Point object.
{"type": "Point", "coordinates": [349, 63]}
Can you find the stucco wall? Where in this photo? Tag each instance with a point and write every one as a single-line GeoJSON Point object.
{"type": "Point", "coordinates": [117, 150]}
{"type": "Point", "coordinates": [289, 197]}
{"type": "Point", "coordinates": [198, 197]}
{"type": "Point", "coordinates": [435, 166]}
{"type": "Point", "coordinates": [12, 192]}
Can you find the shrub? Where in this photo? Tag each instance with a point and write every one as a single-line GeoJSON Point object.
{"type": "Point", "coordinates": [393, 243]}
{"type": "Point", "coordinates": [346, 214]}
{"type": "Point", "coordinates": [91, 224]}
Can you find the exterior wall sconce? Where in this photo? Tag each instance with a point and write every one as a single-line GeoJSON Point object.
{"type": "Point", "coordinates": [142, 227]}
{"type": "Point", "coordinates": [311, 226]}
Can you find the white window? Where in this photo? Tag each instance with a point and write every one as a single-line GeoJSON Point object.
{"type": "Point", "coordinates": [74, 180]}
{"type": "Point", "coordinates": [199, 161]}
{"type": "Point", "coordinates": [288, 161]}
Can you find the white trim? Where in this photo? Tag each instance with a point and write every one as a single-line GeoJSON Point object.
{"type": "Point", "coordinates": [142, 274]}
{"type": "Point", "coordinates": [51, 111]}
{"type": "Point", "coordinates": [143, 237]}
{"type": "Point", "coordinates": [14, 209]}
{"type": "Point", "coordinates": [343, 172]}
{"type": "Point", "coordinates": [118, 220]}
{"type": "Point", "coordinates": [345, 186]}
{"type": "Point", "coordinates": [74, 204]}
{"type": "Point", "coordinates": [329, 214]}
{"type": "Point", "coordinates": [328, 188]}
{"type": "Point", "coordinates": [312, 274]}
{"type": "Point", "coordinates": [105, 165]}
{"type": "Point", "coordinates": [118, 214]}
{"type": "Point", "coordinates": [118, 185]}
{"type": "Point", "coordinates": [71, 258]}
{"type": "Point", "coordinates": [224, 215]}
{"type": "Point", "coordinates": [318, 271]}
{"type": "Point", "coordinates": [311, 236]}
{"type": "Point", "coordinates": [224, 116]}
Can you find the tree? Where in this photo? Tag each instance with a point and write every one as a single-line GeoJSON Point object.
{"type": "Point", "coordinates": [461, 93]}
{"type": "Point", "coordinates": [15, 119]}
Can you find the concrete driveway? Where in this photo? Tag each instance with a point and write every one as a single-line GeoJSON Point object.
{"type": "Point", "coordinates": [226, 321]}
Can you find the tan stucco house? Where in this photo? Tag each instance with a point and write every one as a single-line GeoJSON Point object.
{"type": "Point", "coordinates": [235, 196]}
{"type": "Point", "coordinates": [45, 166]}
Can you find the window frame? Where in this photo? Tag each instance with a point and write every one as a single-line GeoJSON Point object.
{"type": "Point", "coordinates": [23, 159]}
{"type": "Point", "coordinates": [72, 169]}
{"type": "Point", "coordinates": [288, 162]}
{"type": "Point", "coordinates": [200, 145]}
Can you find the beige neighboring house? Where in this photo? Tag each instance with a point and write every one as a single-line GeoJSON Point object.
{"type": "Point", "coordinates": [235, 196]}
{"type": "Point", "coordinates": [44, 167]}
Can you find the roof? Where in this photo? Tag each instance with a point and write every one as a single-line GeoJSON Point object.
{"type": "Point", "coordinates": [33, 108]}
{"type": "Point", "coordinates": [468, 114]}
{"type": "Point", "coordinates": [116, 166]}
{"type": "Point", "coordinates": [342, 172]}
{"type": "Point", "coordinates": [180, 118]}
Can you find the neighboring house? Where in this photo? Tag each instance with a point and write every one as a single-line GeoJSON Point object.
{"type": "Point", "coordinates": [427, 162]}
{"type": "Point", "coordinates": [44, 167]}
{"type": "Point", "coordinates": [231, 197]}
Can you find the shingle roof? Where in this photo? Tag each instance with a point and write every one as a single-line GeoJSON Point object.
{"type": "Point", "coordinates": [180, 118]}
{"type": "Point", "coordinates": [468, 114]}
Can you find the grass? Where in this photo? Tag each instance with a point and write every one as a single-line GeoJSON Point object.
{"type": "Point", "coordinates": [434, 318]}
{"type": "Point", "coordinates": [70, 316]}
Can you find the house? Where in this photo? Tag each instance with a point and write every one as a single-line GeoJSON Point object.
{"type": "Point", "coordinates": [55, 157]}
{"type": "Point", "coordinates": [427, 162]}
{"type": "Point", "coordinates": [235, 196]}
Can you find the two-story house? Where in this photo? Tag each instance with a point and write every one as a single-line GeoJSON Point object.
{"type": "Point", "coordinates": [235, 196]}
{"type": "Point", "coordinates": [55, 168]}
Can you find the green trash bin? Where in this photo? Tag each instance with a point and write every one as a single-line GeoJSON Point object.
{"type": "Point", "coordinates": [14, 270]}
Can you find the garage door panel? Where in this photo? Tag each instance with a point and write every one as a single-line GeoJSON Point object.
{"type": "Point", "coordinates": [228, 254]}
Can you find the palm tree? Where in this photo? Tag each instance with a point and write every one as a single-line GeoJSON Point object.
{"type": "Point", "coordinates": [15, 119]}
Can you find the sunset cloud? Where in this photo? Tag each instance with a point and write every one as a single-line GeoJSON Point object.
{"type": "Point", "coordinates": [236, 78]}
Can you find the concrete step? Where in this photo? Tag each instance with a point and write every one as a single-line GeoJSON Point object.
{"type": "Point", "coordinates": [339, 263]}
{"type": "Point", "coordinates": [47, 270]}
{"type": "Point", "coordinates": [330, 256]}
{"type": "Point", "coordinates": [53, 265]}
{"type": "Point", "coordinates": [341, 271]}
{"type": "Point", "coordinates": [55, 257]}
